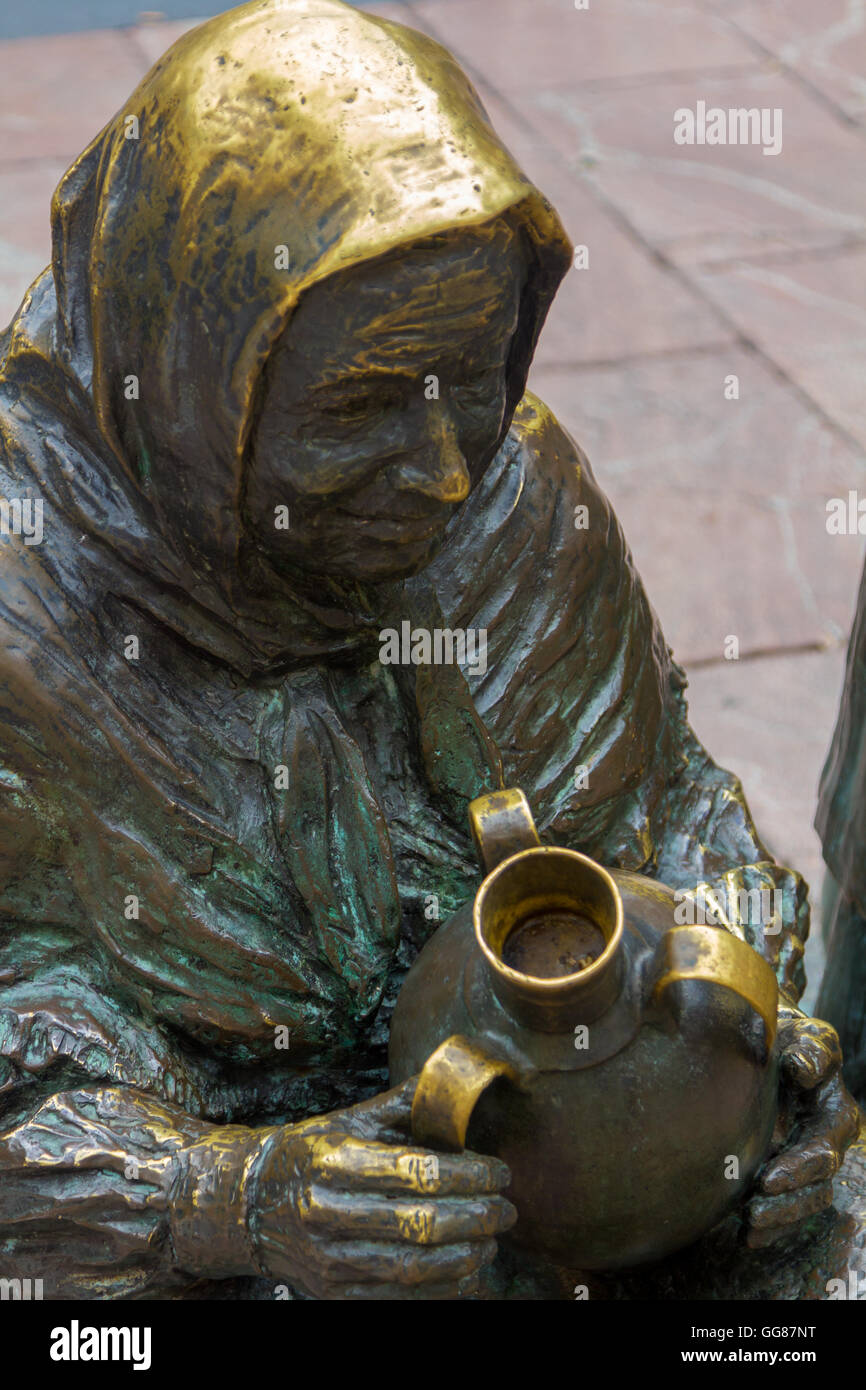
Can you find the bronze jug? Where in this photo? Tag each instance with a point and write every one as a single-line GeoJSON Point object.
{"type": "Point", "coordinates": [631, 1090]}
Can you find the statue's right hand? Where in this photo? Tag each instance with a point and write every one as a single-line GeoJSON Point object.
{"type": "Point", "coordinates": [346, 1208]}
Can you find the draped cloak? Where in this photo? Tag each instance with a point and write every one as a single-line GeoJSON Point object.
{"type": "Point", "coordinates": [841, 815]}
{"type": "Point", "coordinates": [222, 845]}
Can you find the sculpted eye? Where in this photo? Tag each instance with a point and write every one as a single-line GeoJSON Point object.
{"type": "Point", "coordinates": [351, 409]}
{"type": "Point", "coordinates": [365, 406]}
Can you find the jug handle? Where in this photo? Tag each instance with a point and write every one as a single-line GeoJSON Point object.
{"type": "Point", "coordinates": [716, 956]}
{"type": "Point", "coordinates": [501, 824]}
{"type": "Point", "coordinates": [450, 1084]}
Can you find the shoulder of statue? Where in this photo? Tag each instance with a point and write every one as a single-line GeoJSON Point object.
{"type": "Point", "coordinates": [544, 446]}
{"type": "Point", "coordinates": [534, 511]}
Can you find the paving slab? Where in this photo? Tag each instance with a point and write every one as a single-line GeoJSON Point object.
{"type": "Point", "coordinates": [702, 202]}
{"type": "Point", "coordinates": [673, 418]}
{"type": "Point", "coordinates": [809, 315]}
{"type": "Point", "coordinates": [25, 226]}
{"type": "Point", "coordinates": [57, 93]}
{"type": "Point", "coordinates": [525, 45]}
{"type": "Point", "coordinates": [723, 502]}
{"type": "Point", "coordinates": [824, 43]}
{"type": "Point", "coordinates": [624, 302]}
{"type": "Point", "coordinates": [717, 567]}
{"type": "Point", "coordinates": [771, 721]}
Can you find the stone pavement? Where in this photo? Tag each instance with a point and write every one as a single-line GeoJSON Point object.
{"type": "Point", "coordinates": [705, 262]}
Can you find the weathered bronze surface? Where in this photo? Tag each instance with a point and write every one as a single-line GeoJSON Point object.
{"type": "Point", "coordinates": [841, 822]}
{"type": "Point", "coordinates": [271, 396]}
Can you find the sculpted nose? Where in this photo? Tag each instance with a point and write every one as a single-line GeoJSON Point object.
{"type": "Point", "coordinates": [441, 473]}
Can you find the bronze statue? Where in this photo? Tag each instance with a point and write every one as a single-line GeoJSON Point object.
{"type": "Point", "coordinates": [270, 400]}
{"type": "Point", "coordinates": [841, 822]}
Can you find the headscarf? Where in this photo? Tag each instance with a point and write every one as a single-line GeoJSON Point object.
{"type": "Point", "coordinates": [268, 149]}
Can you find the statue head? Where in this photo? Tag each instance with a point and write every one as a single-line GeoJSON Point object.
{"type": "Point", "coordinates": [383, 400]}
{"type": "Point", "coordinates": [304, 242]}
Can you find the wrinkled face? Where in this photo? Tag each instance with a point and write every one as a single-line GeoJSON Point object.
{"type": "Point", "coordinates": [383, 402]}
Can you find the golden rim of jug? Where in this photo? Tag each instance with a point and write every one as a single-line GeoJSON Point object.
{"type": "Point", "coordinates": [551, 1002]}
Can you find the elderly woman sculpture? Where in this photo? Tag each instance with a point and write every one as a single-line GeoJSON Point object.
{"type": "Point", "coordinates": [841, 821]}
{"type": "Point", "coordinates": [270, 397]}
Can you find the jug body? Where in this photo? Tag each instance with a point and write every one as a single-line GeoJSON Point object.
{"type": "Point", "coordinates": [633, 1112]}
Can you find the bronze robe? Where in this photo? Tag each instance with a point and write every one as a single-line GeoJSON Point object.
{"type": "Point", "coordinates": [841, 823]}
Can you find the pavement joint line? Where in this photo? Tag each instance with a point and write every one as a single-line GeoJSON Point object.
{"type": "Point", "coordinates": [852, 122]}
{"type": "Point", "coordinates": [648, 79]}
{"type": "Point", "coordinates": [782, 374]}
{"type": "Point", "coordinates": [15, 163]}
{"type": "Point", "coordinates": [765, 653]}
{"type": "Point", "coordinates": [783, 257]}
{"type": "Point", "coordinates": [626, 359]}
{"type": "Point", "coordinates": [685, 275]}
{"type": "Point", "coordinates": [66, 160]}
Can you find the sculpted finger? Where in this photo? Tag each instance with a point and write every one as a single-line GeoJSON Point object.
{"type": "Point", "coordinates": [423, 1222]}
{"type": "Point", "coordinates": [844, 1113]}
{"type": "Point", "coordinates": [371, 1261]}
{"type": "Point", "coordinates": [788, 1208]}
{"type": "Point", "coordinates": [391, 1111]}
{"type": "Point", "coordinates": [759, 1237]}
{"type": "Point", "coordinates": [821, 1148]}
{"type": "Point", "coordinates": [812, 1054]}
{"type": "Point", "coordinates": [354, 1163]}
{"type": "Point", "coordinates": [797, 1168]}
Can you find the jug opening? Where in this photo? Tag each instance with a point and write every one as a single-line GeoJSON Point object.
{"type": "Point", "coordinates": [553, 943]}
{"type": "Point", "coordinates": [549, 923]}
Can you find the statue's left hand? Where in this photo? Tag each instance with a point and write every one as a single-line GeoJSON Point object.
{"type": "Point", "coordinates": [818, 1120]}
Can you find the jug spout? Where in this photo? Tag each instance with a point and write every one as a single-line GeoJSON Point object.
{"type": "Point", "coordinates": [548, 921]}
